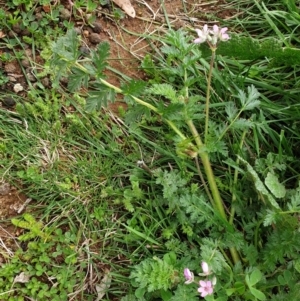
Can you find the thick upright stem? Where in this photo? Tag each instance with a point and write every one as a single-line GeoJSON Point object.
{"type": "Point", "coordinates": [218, 203]}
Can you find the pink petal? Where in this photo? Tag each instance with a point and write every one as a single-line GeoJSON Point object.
{"type": "Point", "coordinates": [224, 37]}
{"type": "Point", "coordinates": [208, 284]}
{"type": "Point", "coordinates": [216, 29]}
{"type": "Point", "coordinates": [201, 289]}
{"type": "Point", "coordinates": [202, 283]}
{"type": "Point", "coordinates": [187, 273]}
{"type": "Point", "coordinates": [223, 30]}
{"type": "Point", "coordinates": [199, 32]}
{"type": "Point", "coordinates": [199, 40]}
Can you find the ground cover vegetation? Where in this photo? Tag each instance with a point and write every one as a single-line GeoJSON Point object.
{"type": "Point", "coordinates": [190, 192]}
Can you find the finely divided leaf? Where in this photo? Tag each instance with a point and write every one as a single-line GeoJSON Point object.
{"type": "Point", "coordinates": [99, 98]}
{"type": "Point", "coordinates": [294, 204]}
{"type": "Point", "coordinates": [165, 90]}
{"type": "Point", "coordinates": [242, 124]}
{"type": "Point", "coordinates": [66, 47]}
{"type": "Point", "coordinates": [77, 79]}
{"type": "Point", "coordinates": [230, 110]}
{"type": "Point", "coordinates": [259, 185]}
{"type": "Point", "coordinates": [172, 111]}
{"type": "Point", "coordinates": [251, 101]}
{"type": "Point", "coordinates": [274, 186]}
{"type": "Point", "coordinates": [134, 87]}
{"type": "Point", "coordinates": [65, 54]}
{"type": "Point", "coordinates": [270, 218]}
{"type": "Point", "coordinates": [99, 57]}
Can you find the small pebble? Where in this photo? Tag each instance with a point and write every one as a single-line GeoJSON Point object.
{"type": "Point", "coordinates": [46, 82]}
{"type": "Point", "coordinates": [95, 38]}
{"type": "Point", "coordinates": [88, 16]}
{"type": "Point", "coordinates": [39, 16]}
{"type": "Point", "coordinates": [25, 63]}
{"type": "Point", "coordinates": [84, 50]}
{"type": "Point", "coordinates": [12, 34]}
{"type": "Point", "coordinates": [8, 102]}
{"type": "Point", "coordinates": [86, 33]}
{"type": "Point", "coordinates": [18, 88]}
{"type": "Point", "coordinates": [10, 67]}
{"type": "Point", "coordinates": [4, 188]}
{"type": "Point", "coordinates": [64, 80]}
{"type": "Point", "coordinates": [77, 30]}
{"type": "Point", "coordinates": [65, 14]}
{"type": "Point", "coordinates": [25, 32]}
{"type": "Point", "coordinates": [30, 77]}
{"type": "Point", "coordinates": [28, 52]}
{"type": "Point", "coordinates": [17, 28]}
{"type": "Point", "coordinates": [97, 27]}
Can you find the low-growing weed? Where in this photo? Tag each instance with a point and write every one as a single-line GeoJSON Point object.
{"type": "Point", "coordinates": [230, 210]}
{"type": "Point", "coordinates": [195, 194]}
{"type": "Point", "coordinates": [46, 267]}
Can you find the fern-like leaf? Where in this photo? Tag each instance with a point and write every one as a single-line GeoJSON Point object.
{"type": "Point", "coordinates": [99, 58]}
{"type": "Point", "coordinates": [165, 90]}
{"type": "Point", "coordinates": [99, 97]}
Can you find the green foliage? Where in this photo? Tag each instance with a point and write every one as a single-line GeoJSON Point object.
{"type": "Point", "coordinates": [185, 293]}
{"type": "Point", "coordinates": [132, 195]}
{"type": "Point", "coordinates": [28, 273]}
{"type": "Point", "coordinates": [165, 90]}
{"type": "Point", "coordinates": [154, 274]}
{"type": "Point", "coordinates": [35, 228]}
{"type": "Point", "coordinates": [169, 212]}
{"type": "Point", "coordinates": [259, 184]}
{"type": "Point", "coordinates": [274, 186]}
{"type": "Point", "coordinates": [248, 48]}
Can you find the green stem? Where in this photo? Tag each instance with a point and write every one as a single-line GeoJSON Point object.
{"type": "Point", "coordinates": [203, 181]}
{"type": "Point", "coordinates": [211, 66]}
{"type": "Point", "coordinates": [216, 201]}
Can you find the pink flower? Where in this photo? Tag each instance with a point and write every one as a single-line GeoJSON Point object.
{"type": "Point", "coordinates": [206, 288]}
{"type": "Point", "coordinates": [203, 35]}
{"type": "Point", "coordinates": [211, 36]}
{"type": "Point", "coordinates": [188, 275]}
{"type": "Point", "coordinates": [219, 34]}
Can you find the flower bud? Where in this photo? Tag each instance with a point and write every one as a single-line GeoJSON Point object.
{"type": "Point", "coordinates": [205, 268]}
{"type": "Point", "coordinates": [188, 275]}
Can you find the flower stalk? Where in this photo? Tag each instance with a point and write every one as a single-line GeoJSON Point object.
{"type": "Point", "coordinates": [211, 66]}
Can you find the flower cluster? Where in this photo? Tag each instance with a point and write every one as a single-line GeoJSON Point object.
{"type": "Point", "coordinates": [211, 36]}
{"type": "Point", "coordinates": [206, 286]}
